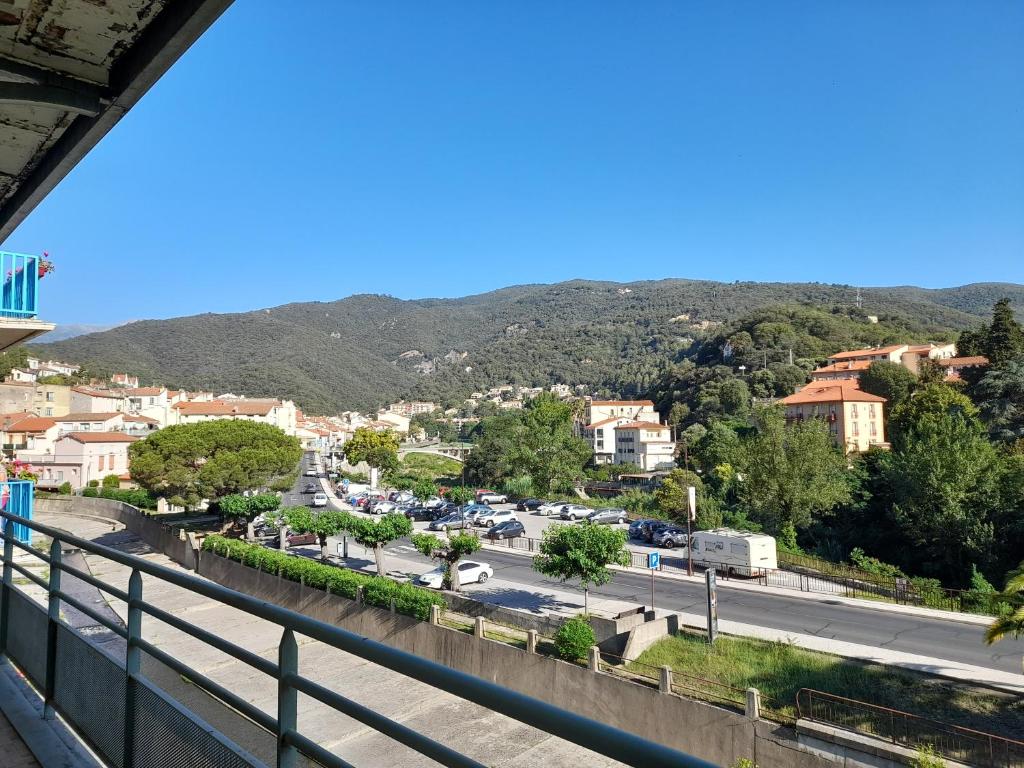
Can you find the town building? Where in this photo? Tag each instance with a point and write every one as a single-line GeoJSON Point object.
{"type": "Point", "coordinates": [124, 380]}
{"type": "Point", "coordinates": [412, 408]}
{"type": "Point", "coordinates": [848, 366]}
{"type": "Point", "coordinates": [955, 366]}
{"type": "Point", "coordinates": [281, 414]}
{"type": "Point", "coordinates": [26, 431]}
{"type": "Point", "coordinates": [647, 444]}
{"type": "Point", "coordinates": [112, 421]}
{"type": "Point", "coordinates": [93, 400]}
{"type": "Point", "coordinates": [855, 418]}
{"type": "Point", "coordinates": [79, 457]}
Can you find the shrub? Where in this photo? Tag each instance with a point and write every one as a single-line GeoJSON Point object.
{"type": "Point", "coordinates": [90, 492]}
{"type": "Point", "coordinates": [925, 756]}
{"type": "Point", "coordinates": [94, 484]}
{"type": "Point", "coordinates": [66, 489]}
{"type": "Point", "coordinates": [263, 502]}
{"type": "Point", "coordinates": [377, 591]}
{"type": "Point", "coordinates": [111, 481]}
{"type": "Point", "coordinates": [137, 497]}
{"type": "Point", "coordinates": [574, 639]}
{"type": "Point", "coordinates": [233, 505]}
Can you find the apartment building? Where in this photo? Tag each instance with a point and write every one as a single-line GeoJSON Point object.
{"type": "Point", "coordinates": [647, 444]}
{"type": "Point", "coordinates": [855, 418]}
{"type": "Point", "coordinates": [79, 457]}
{"type": "Point", "coordinates": [281, 414]}
{"type": "Point", "coordinates": [848, 366]}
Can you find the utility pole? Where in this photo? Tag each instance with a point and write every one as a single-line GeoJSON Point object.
{"type": "Point", "coordinates": [691, 515]}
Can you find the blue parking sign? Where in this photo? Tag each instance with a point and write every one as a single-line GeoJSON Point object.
{"type": "Point", "coordinates": [653, 560]}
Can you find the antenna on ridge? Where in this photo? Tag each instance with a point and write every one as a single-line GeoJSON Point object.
{"type": "Point", "coordinates": [860, 300]}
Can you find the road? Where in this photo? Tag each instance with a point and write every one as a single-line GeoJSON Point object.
{"type": "Point", "coordinates": [803, 613]}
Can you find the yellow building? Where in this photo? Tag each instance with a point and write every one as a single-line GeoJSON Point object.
{"type": "Point", "coordinates": [854, 417]}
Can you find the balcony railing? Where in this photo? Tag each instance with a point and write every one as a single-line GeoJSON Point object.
{"type": "Point", "coordinates": [16, 498]}
{"type": "Point", "coordinates": [131, 721]}
{"type": "Point", "coordinates": [20, 273]}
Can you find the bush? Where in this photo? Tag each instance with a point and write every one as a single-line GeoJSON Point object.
{"type": "Point", "coordinates": [111, 481]}
{"type": "Point", "coordinates": [136, 497]}
{"type": "Point", "coordinates": [377, 591]}
{"type": "Point", "coordinates": [94, 483]}
{"type": "Point", "coordinates": [925, 756]}
{"type": "Point", "coordinates": [90, 492]}
{"type": "Point", "coordinates": [66, 489]}
{"type": "Point", "coordinates": [574, 639]}
{"type": "Point", "coordinates": [263, 502]}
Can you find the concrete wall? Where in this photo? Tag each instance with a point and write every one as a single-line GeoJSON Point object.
{"type": "Point", "coordinates": [718, 735]}
{"type": "Point", "coordinates": [643, 636]}
{"type": "Point", "coordinates": [161, 537]}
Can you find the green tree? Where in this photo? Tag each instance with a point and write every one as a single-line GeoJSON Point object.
{"type": "Point", "coordinates": [424, 489]}
{"type": "Point", "coordinates": [581, 552]}
{"type": "Point", "coordinates": [325, 523]}
{"type": "Point", "coordinates": [376, 534]}
{"type": "Point", "coordinates": [234, 505]}
{"type": "Point", "coordinates": [1000, 394]}
{"type": "Point", "coordinates": [378, 449]}
{"type": "Point", "coordinates": [10, 359]}
{"type": "Point", "coordinates": [460, 494]}
{"type": "Point", "coordinates": [932, 404]}
{"type": "Point", "coordinates": [448, 551]}
{"type": "Point", "coordinates": [111, 481]}
{"type": "Point", "coordinates": [889, 380]}
{"type": "Point", "coordinates": [190, 462]}
{"type": "Point", "coordinates": [65, 489]}
{"type": "Point", "coordinates": [791, 474]}
{"type": "Point", "coordinates": [672, 495]}
{"type": "Point", "coordinates": [945, 484]}
{"type": "Point", "coordinates": [1005, 338]}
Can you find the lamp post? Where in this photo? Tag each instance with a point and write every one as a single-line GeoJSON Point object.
{"type": "Point", "coordinates": [691, 515]}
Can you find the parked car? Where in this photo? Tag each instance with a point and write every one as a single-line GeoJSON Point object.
{"type": "Point", "coordinates": [383, 507]}
{"type": "Point", "coordinates": [551, 508]}
{"type": "Point", "coordinates": [574, 511]}
{"type": "Point", "coordinates": [311, 488]}
{"type": "Point", "coordinates": [473, 511]}
{"type": "Point", "coordinates": [509, 529]}
{"type": "Point", "coordinates": [494, 516]}
{"type": "Point", "coordinates": [636, 528]}
{"type": "Point", "coordinates": [649, 531]}
{"type": "Point", "coordinates": [367, 502]}
{"type": "Point", "coordinates": [469, 571]}
{"type": "Point", "coordinates": [319, 499]}
{"type": "Point", "coordinates": [311, 472]}
{"type": "Point", "coordinates": [423, 514]}
{"type": "Point", "coordinates": [451, 523]}
{"type": "Point", "coordinates": [490, 497]}
{"type": "Point", "coordinates": [291, 540]}
{"type": "Point", "coordinates": [670, 536]}
{"type": "Point", "coordinates": [529, 505]}
{"type": "Point", "coordinates": [606, 516]}
{"type": "Point", "coordinates": [434, 501]}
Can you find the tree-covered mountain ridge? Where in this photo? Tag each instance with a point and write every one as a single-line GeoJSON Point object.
{"type": "Point", "coordinates": [365, 350]}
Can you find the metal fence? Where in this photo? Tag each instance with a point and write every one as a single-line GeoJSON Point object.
{"type": "Point", "coordinates": [20, 273]}
{"type": "Point", "coordinates": [801, 575]}
{"type": "Point", "coordinates": [132, 722]}
{"type": "Point", "coordinates": [911, 731]}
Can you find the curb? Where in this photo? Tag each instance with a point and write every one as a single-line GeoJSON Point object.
{"type": "Point", "coordinates": [853, 602]}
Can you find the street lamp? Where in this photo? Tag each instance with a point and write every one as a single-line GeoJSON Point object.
{"type": "Point", "coordinates": [742, 369]}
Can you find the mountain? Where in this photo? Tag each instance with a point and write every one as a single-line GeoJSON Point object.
{"type": "Point", "coordinates": [71, 330]}
{"type": "Point", "coordinates": [366, 350]}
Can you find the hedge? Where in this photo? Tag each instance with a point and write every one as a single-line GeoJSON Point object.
{"type": "Point", "coordinates": [137, 498]}
{"type": "Point", "coordinates": [378, 591]}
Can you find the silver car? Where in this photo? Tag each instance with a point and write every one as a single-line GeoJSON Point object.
{"type": "Point", "coordinates": [575, 512]}
{"type": "Point", "coordinates": [607, 516]}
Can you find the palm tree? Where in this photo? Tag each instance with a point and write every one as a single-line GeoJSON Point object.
{"type": "Point", "coordinates": [1012, 597]}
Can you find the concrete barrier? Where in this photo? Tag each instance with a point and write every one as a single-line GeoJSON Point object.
{"type": "Point", "coordinates": [715, 734]}
{"type": "Point", "coordinates": [643, 636]}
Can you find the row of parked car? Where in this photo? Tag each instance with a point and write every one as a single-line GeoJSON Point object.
{"type": "Point", "coordinates": [660, 533]}
{"type": "Point", "coordinates": [572, 512]}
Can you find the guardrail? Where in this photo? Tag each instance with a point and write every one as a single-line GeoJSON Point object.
{"type": "Point", "coordinates": [911, 731]}
{"type": "Point", "coordinates": [119, 711]}
{"type": "Point", "coordinates": [20, 273]}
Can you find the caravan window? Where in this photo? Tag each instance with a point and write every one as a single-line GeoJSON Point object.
{"type": "Point", "coordinates": [737, 549]}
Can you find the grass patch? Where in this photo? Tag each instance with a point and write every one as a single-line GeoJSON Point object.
{"type": "Point", "coordinates": [425, 466]}
{"type": "Point", "coordinates": [779, 670]}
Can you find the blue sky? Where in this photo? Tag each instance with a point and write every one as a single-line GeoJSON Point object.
{"type": "Point", "coordinates": [308, 151]}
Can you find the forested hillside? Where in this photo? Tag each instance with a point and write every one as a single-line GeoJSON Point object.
{"type": "Point", "coordinates": [615, 338]}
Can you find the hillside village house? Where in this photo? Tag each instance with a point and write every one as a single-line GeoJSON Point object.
{"type": "Point", "coordinates": [42, 399]}
{"type": "Point", "coordinates": [854, 417]}
{"type": "Point", "coordinates": [92, 400]}
{"type": "Point", "coordinates": [91, 422]}
{"type": "Point", "coordinates": [412, 408]}
{"type": "Point", "coordinates": [955, 366]}
{"type": "Point", "coordinates": [848, 366]}
{"type": "Point", "coordinates": [647, 444]}
{"type": "Point", "coordinates": [140, 426]}
{"type": "Point", "coordinates": [124, 380]}
{"type": "Point", "coordinates": [281, 414]}
{"type": "Point", "coordinates": [27, 432]}
{"type": "Point", "coordinates": [79, 457]}
{"type": "Point", "coordinates": [52, 367]}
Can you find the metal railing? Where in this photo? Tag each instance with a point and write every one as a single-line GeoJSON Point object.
{"type": "Point", "coordinates": [910, 731]}
{"type": "Point", "coordinates": [118, 709]}
{"type": "Point", "coordinates": [20, 273]}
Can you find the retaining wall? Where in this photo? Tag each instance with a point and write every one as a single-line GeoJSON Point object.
{"type": "Point", "coordinates": [715, 734]}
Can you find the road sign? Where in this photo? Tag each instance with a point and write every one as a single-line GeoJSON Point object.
{"type": "Point", "coordinates": [709, 576]}
{"type": "Point", "coordinates": [653, 560]}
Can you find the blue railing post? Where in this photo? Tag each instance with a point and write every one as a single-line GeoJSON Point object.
{"type": "Point", "coordinates": [52, 622]}
{"type": "Point", "coordinates": [8, 582]}
{"type": "Point", "coordinates": [287, 700]}
{"type": "Point", "coordinates": [132, 663]}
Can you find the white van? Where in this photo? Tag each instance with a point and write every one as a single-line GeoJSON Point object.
{"type": "Point", "coordinates": [737, 553]}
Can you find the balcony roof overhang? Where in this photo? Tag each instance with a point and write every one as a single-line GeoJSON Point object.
{"type": "Point", "coordinates": [69, 71]}
{"type": "Point", "coordinates": [19, 331]}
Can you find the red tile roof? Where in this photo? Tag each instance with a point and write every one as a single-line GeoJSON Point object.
{"type": "Point", "coordinates": [141, 419]}
{"type": "Point", "coordinates": [100, 437]}
{"type": "Point", "coordinates": [227, 408]}
{"type": "Point", "coordinates": [144, 391]}
{"type": "Point", "coordinates": [866, 352]}
{"type": "Point", "coordinates": [602, 422]}
{"type": "Point", "coordinates": [98, 392]}
{"type": "Point", "coordinates": [642, 425]}
{"type": "Point", "coordinates": [963, 362]}
{"type": "Point", "coordinates": [622, 402]}
{"type": "Point", "coordinates": [87, 416]}
{"type": "Point", "coordinates": [841, 366]}
{"type": "Point", "coordinates": [32, 424]}
{"type": "Point", "coordinates": [831, 392]}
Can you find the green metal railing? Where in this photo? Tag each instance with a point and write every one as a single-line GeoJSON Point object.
{"type": "Point", "coordinates": [54, 661]}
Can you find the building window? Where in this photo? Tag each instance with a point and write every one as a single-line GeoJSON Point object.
{"type": "Point", "coordinates": [49, 397]}
{"type": "Point", "coordinates": [85, 427]}
{"type": "Point", "coordinates": [874, 430]}
{"type": "Point", "coordinates": [48, 412]}
{"type": "Point", "coordinates": [101, 461]}
{"type": "Point", "coordinates": [871, 412]}
{"type": "Point", "coordinates": [853, 410]}
{"type": "Point", "coordinates": [856, 429]}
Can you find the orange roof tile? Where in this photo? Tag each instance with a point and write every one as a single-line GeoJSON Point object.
{"type": "Point", "coordinates": [866, 352]}
{"type": "Point", "coordinates": [831, 392]}
{"type": "Point", "coordinates": [847, 365]}
{"type": "Point", "coordinates": [144, 391]}
{"type": "Point", "coordinates": [602, 422]}
{"type": "Point", "coordinates": [141, 419]}
{"type": "Point", "coordinates": [963, 362]}
{"type": "Point", "coordinates": [32, 424]}
{"type": "Point", "coordinates": [622, 402]}
{"type": "Point", "coordinates": [227, 408]}
{"type": "Point", "coordinates": [87, 416]}
{"type": "Point", "coordinates": [642, 425]}
{"type": "Point", "coordinates": [100, 437]}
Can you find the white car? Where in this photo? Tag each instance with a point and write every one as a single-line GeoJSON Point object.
{"type": "Point", "coordinates": [550, 508]}
{"type": "Point", "coordinates": [492, 498]}
{"type": "Point", "coordinates": [383, 507]}
{"type": "Point", "coordinates": [319, 499]}
{"type": "Point", "coordinates": [469, 571]}
{"type": "Point", "coordinates": [433, 502]}
{"type": "Point", "coordinates": [311, 472]}
{"type": "Point", "coordinates": [493, 517]}
{"type": "Point", "coordinates": [575, 511]}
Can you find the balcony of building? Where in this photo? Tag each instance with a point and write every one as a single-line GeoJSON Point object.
{"type": "Point", "coordinates": [19, 299]}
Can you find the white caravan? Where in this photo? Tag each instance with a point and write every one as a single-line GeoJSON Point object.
{"type": "Point", "coordinates": [737, 553]}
